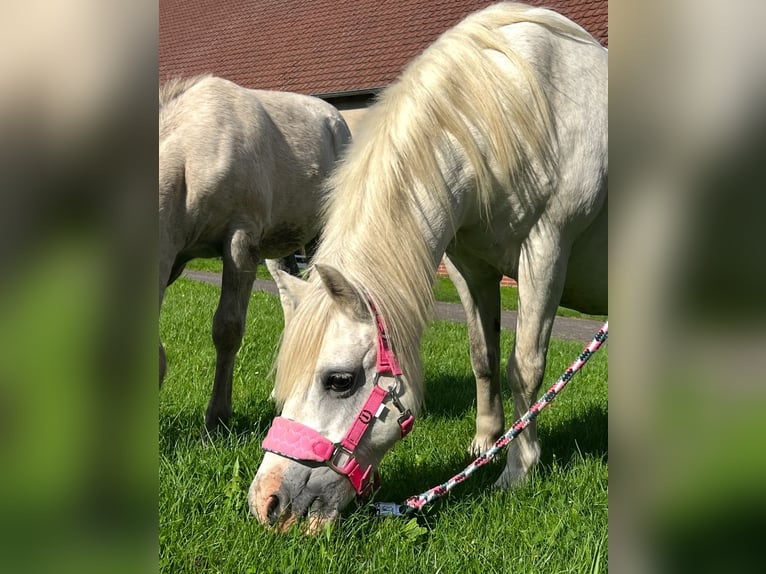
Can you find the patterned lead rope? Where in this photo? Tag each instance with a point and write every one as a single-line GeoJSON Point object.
{"type": "Point", "coordinates": [416, 503]}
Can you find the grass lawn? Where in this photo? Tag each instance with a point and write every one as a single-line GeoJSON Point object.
{"type": "Point", "coordinates": [444, 290]}
{"type": "Point", "coordinates": [556, 522]}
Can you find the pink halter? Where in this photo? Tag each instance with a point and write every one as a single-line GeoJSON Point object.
{"type": "Point", "coordinates": [298, 442]}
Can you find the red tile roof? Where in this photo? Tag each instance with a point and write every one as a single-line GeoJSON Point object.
{"type": "Point", "coordinates": [319, 46]}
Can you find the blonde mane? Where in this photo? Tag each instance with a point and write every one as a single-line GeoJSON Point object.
{"type": "Point", "coordinates": [452, 97]}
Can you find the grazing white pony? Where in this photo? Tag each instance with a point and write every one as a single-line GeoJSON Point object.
{"type": "Point", "coordinates": [241, 177]}
{"type": "Point", "coordinates": [491, 147]}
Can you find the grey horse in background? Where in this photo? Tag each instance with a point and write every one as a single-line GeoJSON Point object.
{"type": "Point", "coordinates": [241, 176]}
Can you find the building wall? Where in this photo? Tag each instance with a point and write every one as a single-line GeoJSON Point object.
{"type": "Point", "coordinates": [353, 116]}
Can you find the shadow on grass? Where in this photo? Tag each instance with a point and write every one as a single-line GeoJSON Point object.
{"type": "Point", "coordinates": [450, 396]}
{"type": "Point", "coordinates": [586, 433]}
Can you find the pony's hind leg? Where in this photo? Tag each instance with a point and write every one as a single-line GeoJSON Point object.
{"type": "Point", "coordinates": [167, 257]}
{"type": "Point", "coordinates": [479, 288]}
{"type": "Point", "coordinates": [239, 267]}
{"type": "Point", "coordinates": [542, 267]}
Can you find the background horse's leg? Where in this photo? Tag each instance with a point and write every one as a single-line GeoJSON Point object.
{"type": "Point", "coordinates": [166, 277]}
{"type": "Point", "coordinates": [239, 265]}
{"type": "Point", "coordinates": [479, 288]}
{"type": "Point", "coordinates": [542, 270]}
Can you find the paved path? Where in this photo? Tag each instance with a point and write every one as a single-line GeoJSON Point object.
{"type": "Point", "coordinates": [563, 327]}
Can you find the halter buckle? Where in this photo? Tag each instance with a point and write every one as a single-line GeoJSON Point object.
{"type": "Point", "coordinates": [340, 459]}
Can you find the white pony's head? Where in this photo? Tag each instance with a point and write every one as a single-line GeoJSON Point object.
{"type": "Point", "coordinates": [327, 372]}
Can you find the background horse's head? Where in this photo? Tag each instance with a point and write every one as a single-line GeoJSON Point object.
{"type": "Point", "coordinates": [330, 391]}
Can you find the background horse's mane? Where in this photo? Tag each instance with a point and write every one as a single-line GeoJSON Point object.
{"type": "Point", "coordinates": [452, 103]}
{"type": "Point", "coordinates": [174, 87]}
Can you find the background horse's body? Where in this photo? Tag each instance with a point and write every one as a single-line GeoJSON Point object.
{"type": "Point", "coordinates": [492, 147]}
{"type": "Point", "coordinates": [241, 174]}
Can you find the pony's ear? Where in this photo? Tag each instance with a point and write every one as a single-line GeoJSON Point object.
{"type": "Point", "coordinates": [291, 291]}
{"type": "Point", "coordinates": [342, 292]}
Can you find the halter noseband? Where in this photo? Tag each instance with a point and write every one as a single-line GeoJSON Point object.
{"type": "Point", "coordinates": [298, 442]}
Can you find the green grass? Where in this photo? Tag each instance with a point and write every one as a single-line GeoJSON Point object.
{"type": "Point", "coordinates": [556, 522]}
{"type": "Point", "coordinates": [444, 290]}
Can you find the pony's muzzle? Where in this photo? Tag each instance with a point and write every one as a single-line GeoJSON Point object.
{"type": "Point", "coordinates": [265, 502]}
{"type": "Point", "coordinates": [284, 492]}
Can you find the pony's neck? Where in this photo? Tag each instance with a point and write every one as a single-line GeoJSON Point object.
{"type": "Point", "coordinates": [386, 252]}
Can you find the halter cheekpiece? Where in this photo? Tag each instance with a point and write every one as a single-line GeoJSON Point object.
{"type": "Point", "coordinates": [298, 442]}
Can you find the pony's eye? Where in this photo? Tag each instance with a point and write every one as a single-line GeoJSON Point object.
{"type": "Point", "coordinates": [339, 382]}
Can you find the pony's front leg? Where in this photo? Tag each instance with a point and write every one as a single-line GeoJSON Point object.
{"type": "Point", "coordinates": [479, 288]}
{"type": "Point", "coordinates": [542, 270]}
{"type": "Point", "coordinates": [229, 324]}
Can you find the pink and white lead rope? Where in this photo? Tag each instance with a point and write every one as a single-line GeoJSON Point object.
{"type": "Point", "coordinates": [415, 503]}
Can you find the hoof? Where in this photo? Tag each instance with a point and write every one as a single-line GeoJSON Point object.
{"type": "Point", "coordinates": [510, 479]}
{"type": "Point", "coordinates": [480, 445]}
{"type": "Point", "coordinates": [522, 458]}
{"type": "Point", "coordinates": [217, 423]}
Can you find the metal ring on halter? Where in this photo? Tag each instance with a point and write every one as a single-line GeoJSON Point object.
{"type": "Point", "coordinates": [393, 390]}
{"type": "Point", "coordinates": [335, 463]}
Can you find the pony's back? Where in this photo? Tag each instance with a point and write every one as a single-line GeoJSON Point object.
{"type": "Point", "coordinates": [239, 150]}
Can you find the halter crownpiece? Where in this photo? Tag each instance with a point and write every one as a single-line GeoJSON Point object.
{"type": "Point", "coordinates": [301, 443]}
{"type": "Point", "coordinates": [387, 364]}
